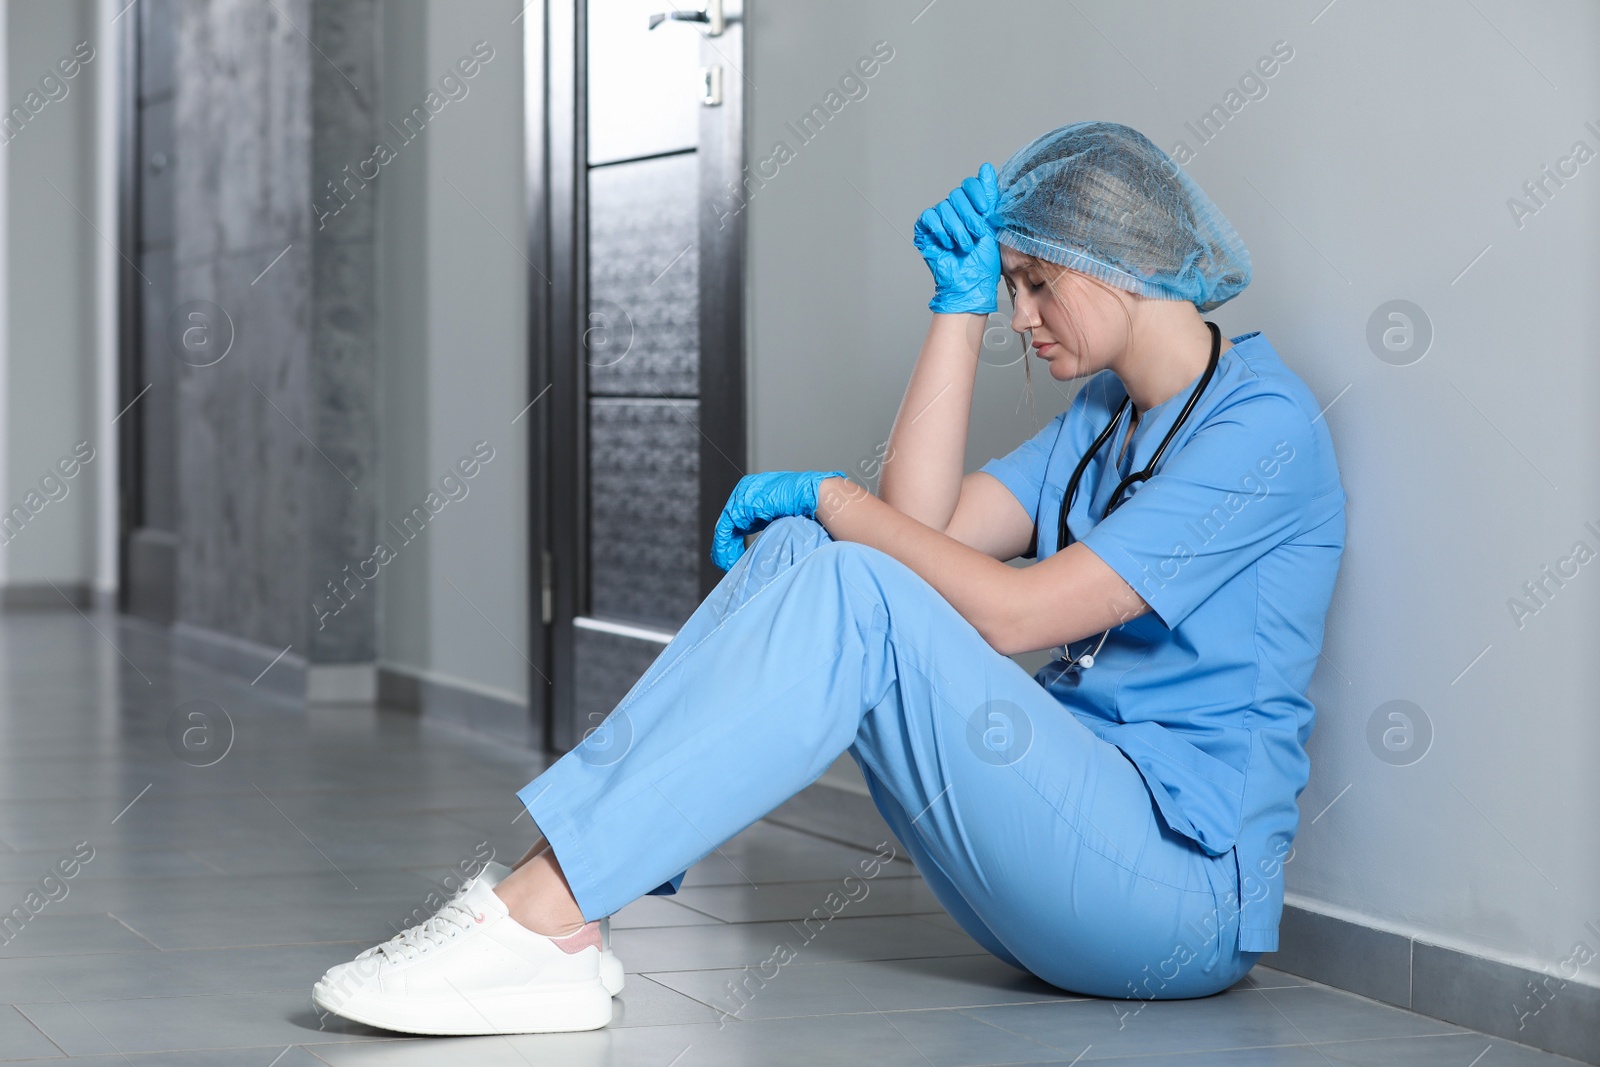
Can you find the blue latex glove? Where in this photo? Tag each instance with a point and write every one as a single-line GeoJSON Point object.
{"type": "Point", "coordinates": [960, 246]}
{"type": "Point", "coordinates": [757, 500]}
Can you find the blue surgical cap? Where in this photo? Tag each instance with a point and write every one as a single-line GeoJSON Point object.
{"type": "Point", "coordinates": [1101, 198]}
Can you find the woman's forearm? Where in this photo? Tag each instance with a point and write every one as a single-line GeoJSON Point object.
{"type": "Point", "coordinates": [1070, 596]}
{"type": "Point", "coordinates": [980, 587]}
{"type": "Point", "coordinates": [926, 455]}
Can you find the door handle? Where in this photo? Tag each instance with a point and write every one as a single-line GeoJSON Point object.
{"type": "Point", "coordinates": [678, 16]}
{"type": "Point", "coordinates": [710, 15]}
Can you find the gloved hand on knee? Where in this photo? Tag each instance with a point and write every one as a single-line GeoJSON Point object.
{"type": "Point", "coordinates": [758, 499]}
{"type": "Point", "coordinates": [960, 247]}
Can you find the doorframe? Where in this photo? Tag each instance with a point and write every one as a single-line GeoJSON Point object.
{"type": "Point", "coordinates": [723, 423]}
{"type": "Point", "coordinates": [130, 304]}
{"type": "Point", "coordinates": [555, 42]}
{"type": "Point", "coordinates": [540, 66]}
{"type": "Point", "coordinates": [557, 206]}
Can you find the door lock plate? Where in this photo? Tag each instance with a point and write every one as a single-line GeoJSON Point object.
{"type": "Point", "coordinates": [711, 86]}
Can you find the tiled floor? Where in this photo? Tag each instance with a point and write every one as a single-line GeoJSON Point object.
{"type": "Point", "coordinates": [216, 895]}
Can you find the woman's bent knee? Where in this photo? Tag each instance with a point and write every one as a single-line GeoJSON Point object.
{"type": "Point", "coordinates": [794, 526]}
{"type": "Point", "coordinates": [783, 542]}
{"type": "Point", "coordinates": [791, 535]}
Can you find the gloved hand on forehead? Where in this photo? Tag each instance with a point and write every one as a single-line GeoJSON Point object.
{"type": "Point", "coordinates": [959, 246]}
{"type": "Point", "coordinates": [1103, 199]}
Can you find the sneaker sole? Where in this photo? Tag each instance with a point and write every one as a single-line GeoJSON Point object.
{"type": "Point", "coordinates": [546, 1010]}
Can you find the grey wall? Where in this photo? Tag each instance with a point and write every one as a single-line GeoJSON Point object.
{"type": "Point", "coordinates": [453, 336]}
{"type": "Point", "coordinates": [402, 207]}
{"type": "Point", "coordinates": [1377, 166]}
{"type": "Point", "coordinates": [342, 374]}
{"type": "Point", "coordinates": [275, 444]}
{"type": "Point", "coordinates": [377, 353]}
{"type": "Point", "coordinates": [404, 309]}
{"type": "Point", "coordinates": [48, 386]}
{"type": "Point", "coordinates": [241, 190]}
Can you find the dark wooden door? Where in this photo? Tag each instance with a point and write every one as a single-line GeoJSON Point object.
{"type": "Point", "coordinates": [640, 342]}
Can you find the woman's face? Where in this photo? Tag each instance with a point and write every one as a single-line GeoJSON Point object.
{"type": "Point", "coordinates": [1076, 326]}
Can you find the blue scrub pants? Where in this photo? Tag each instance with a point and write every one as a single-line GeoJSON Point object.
{"type": "Point", "coordinates": [1038, 837]}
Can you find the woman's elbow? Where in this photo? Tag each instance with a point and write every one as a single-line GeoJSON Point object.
{"type": "Point", "coordinates": [1004, 634]}
{"type": "Point", "coordinates": [1004, 621]}
{"type": "Point", "coordinates": [918, 510]}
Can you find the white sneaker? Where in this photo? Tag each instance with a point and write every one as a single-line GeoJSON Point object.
{"type": "Point", "coordinates": [611, 972]}
{"type": "Point", "coordinates": [472, 969]}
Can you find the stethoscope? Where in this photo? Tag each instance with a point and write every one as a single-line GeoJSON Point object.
{"type": "Point", "coordinates": [1064, 535]}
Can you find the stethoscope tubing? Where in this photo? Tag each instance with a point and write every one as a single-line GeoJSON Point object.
{"type": "Point", "coordinates": [1064, 533]}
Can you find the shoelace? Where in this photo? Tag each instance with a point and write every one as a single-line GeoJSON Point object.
{"type": "Point", "coordinates": [439, 929]}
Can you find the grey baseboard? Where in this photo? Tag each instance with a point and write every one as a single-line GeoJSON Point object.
{"type": "Point", "coordinates": [244, 659]}
{"type": "Point", "coordinates": [152, 574]}
{"type": "Point", "coordinates": [1346, 955]}
{"type": "Point", "coordinates": [42, 596]}
{"type": "Point", "coordinates": [458, 705]}
{"type": "Point", "coordinates": [1442, 983]}
{"type": "Point", "coordinates": [283, 672]}
{"type": "Point", "coordinates": [1534, 1008]}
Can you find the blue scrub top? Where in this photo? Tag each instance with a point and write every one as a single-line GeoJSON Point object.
{"type": "Point", "coordinates": [1234, 543]}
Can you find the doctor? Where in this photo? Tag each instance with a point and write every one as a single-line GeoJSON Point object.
{"type": "Point", "coordinates": [1116, 824]}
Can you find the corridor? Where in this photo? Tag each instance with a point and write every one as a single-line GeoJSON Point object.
{"type": "Point", "coordinates": [227, 846]}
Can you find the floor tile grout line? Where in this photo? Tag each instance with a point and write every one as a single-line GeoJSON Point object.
{"type": "Point", "coordinates": [892, 1011]}
{"type": "Point", "coordinates": [895, 1027]}
{"type": "Point", "coordinates": [1312, 984]}
{"type": "Point", "coordinates": [1003, 1029]}
{"type": "Point", "coordinates": [1312, 1045]}
{"type": "Point", "coordinates": [789, 881]}
{"type": "Point", "coordinates": [719, 921]}
{"type": "Point", "coordinates": [204, 862]}
{"type": "Point", "coordinates": [1066, 998]}
{"type": "Point", "coordinates": [134, 932]}
{"type": "Point", "coordinates": [356, 1039]}
{"type": "Point", "coordinates": [88, 1020]}
{"type": "Point", "coordinates": [1015, 1033]}
{"type": "Point", "coordinates": [29, 1020]}
{"type": "Point", "coordinates": [819, 963]}
{"type": "Point", "coordinates": [835, 841]}
{"type": "Point", "coordinates": [296, 989]}
{"type": "Point", "coordinates": [669, 989]}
